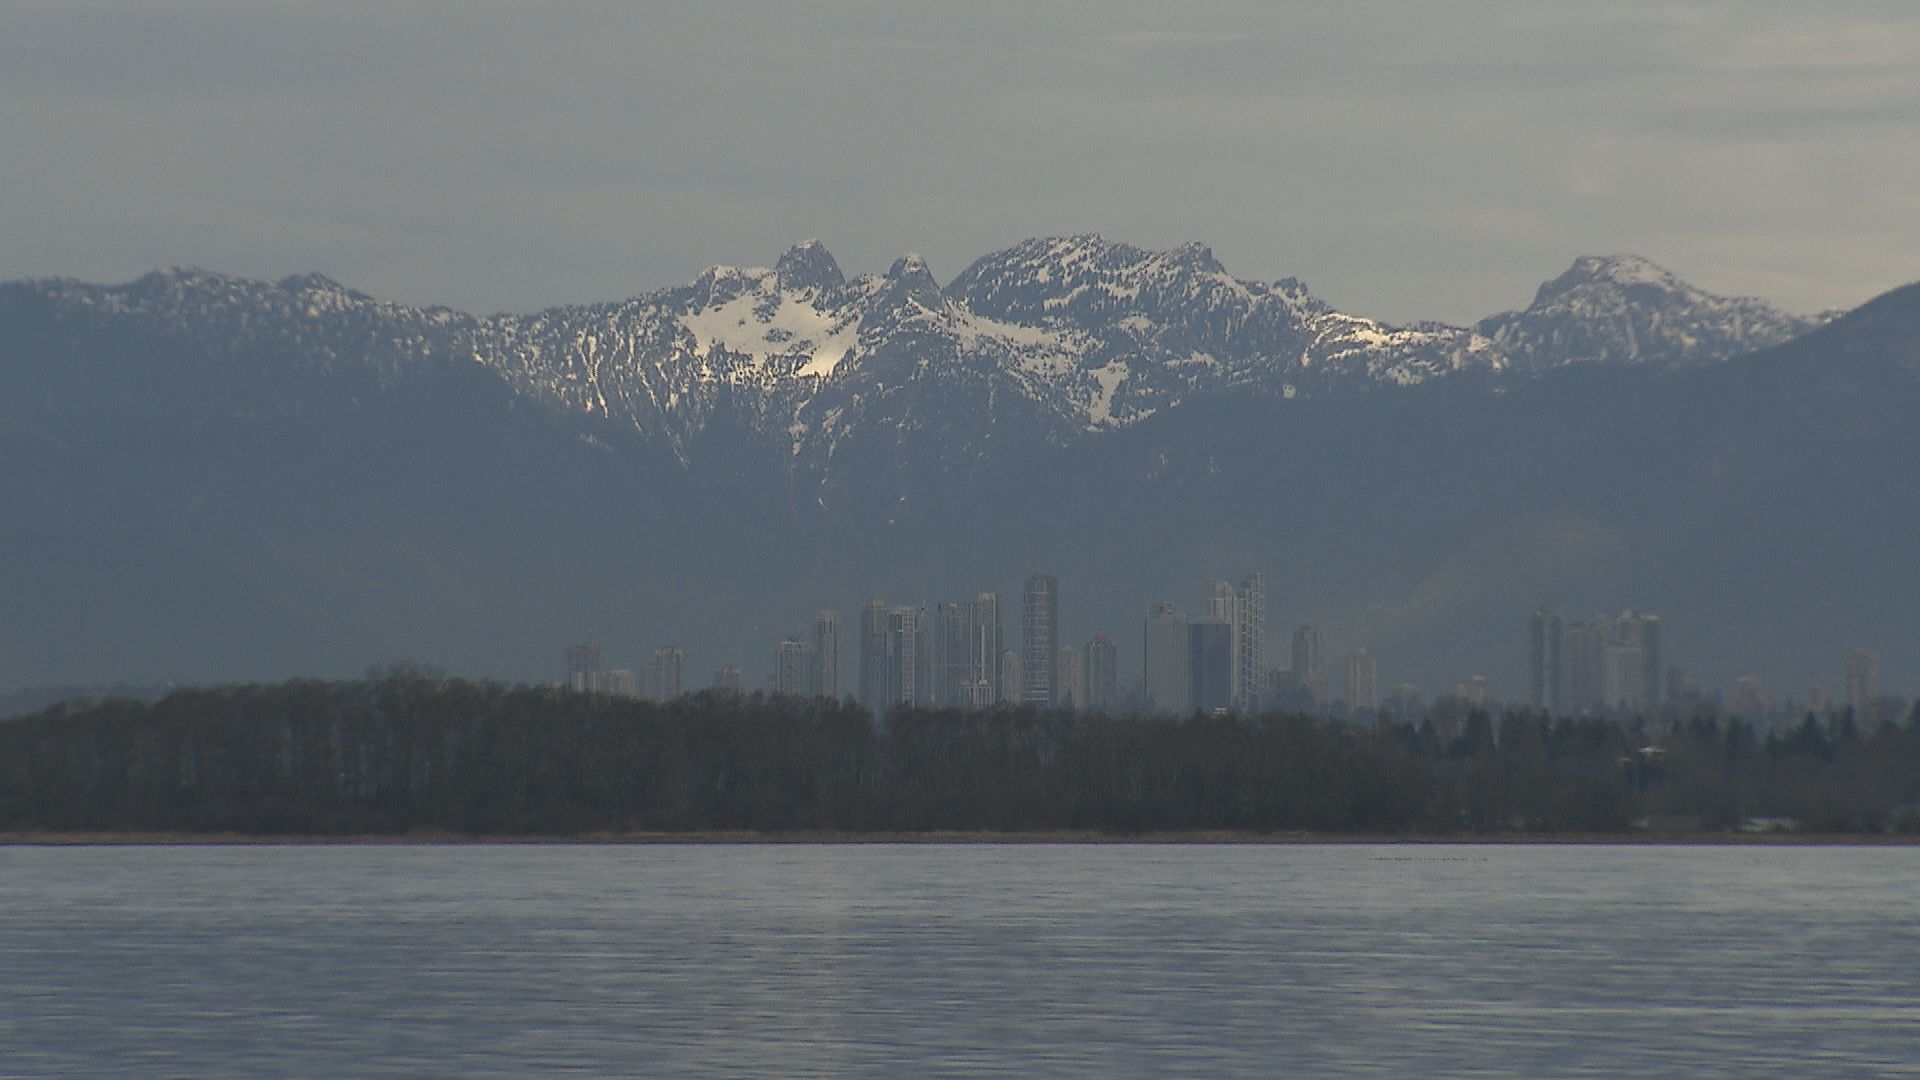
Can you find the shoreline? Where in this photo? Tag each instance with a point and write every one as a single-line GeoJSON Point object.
{"type": "Point", "coordinates": [1039, 838]}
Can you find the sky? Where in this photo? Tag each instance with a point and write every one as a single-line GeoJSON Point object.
{"type": "Point", "coordinates": [1408, 161]}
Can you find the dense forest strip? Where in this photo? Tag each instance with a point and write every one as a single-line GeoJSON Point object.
{"type": "Point", "coordinates": [406, 752]}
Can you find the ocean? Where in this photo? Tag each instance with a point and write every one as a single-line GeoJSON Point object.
{"type": "Point", "coordinates": [932, 960]}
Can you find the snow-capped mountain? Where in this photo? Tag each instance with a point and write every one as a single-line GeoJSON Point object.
{"type": "Point", "coordinates": [1048, 340]}
{"type": "Point", "coordinates": [1079, 333]}
{"type": "Point", "coordinates": [212, 477]}
{"type": "Point", "coordinates": [1624, 308]}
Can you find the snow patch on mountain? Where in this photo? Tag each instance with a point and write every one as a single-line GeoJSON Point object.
{"type": "Point", "coordinates": [1070, 334]}
{"type": "Point", "coordinates": [770, 322]}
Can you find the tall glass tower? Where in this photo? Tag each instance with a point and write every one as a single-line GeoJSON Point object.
{"type": "Point", "coordinates": [1039, 638]}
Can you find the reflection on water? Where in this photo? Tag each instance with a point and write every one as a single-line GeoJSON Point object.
{"type": "Point", "coordinates": [882, 960]}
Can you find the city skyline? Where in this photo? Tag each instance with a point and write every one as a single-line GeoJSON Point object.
{"type": "Point", "coordinates": [956, 654]}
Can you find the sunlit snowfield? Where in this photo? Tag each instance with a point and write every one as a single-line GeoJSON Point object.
{"type": "Point", "coordinates": [920, 960]}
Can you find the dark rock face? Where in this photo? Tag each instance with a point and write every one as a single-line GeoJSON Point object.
{"type": "Point", "coordinates": [808, 266]}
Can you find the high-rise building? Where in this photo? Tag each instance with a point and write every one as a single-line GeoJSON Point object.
{"type": "Point", "coordinates": [671, 661]}
{"type": "Point", "coordinates": [620, 682]}
{"type": "Point", "coordinates": [1169, 658]}
{"type": "Point", "coordinates": [1103, 674]}
{"type": "Point", "coordinates": [727, 678]}
{"type": "Point", "coordinates": [1863, 680]}
{"type": "Point", "coordinates": [1039, 638]}
{"type": "Point", "coordinates": [877, 690]}
{"type": "Point", "coordinates": [1628, 666]}
{"type": "Point", "coordinates": [1582, 652]}
{"type": "Point", "coordinates": [1250, 641]}
{"type": "Point", "coordinates": [904, 653]}
{"type": "Point", "coordinates": [1011, 682]}
{"type": "Point", "coordinates": [1306, 655]}
{"type": "Point", "coordinates": [1070, 683]}
{"type": "Point", "coordinates": [826, 655]}
{"type": "Point", "coordinates": [1622, 668]}
{"type": "Point", "coordinates": [964, 652]}
{"type": "Point", "coordinates": [922, 658]}
{"type": "Point", "coordinates": [1543, 662]}
{"type": "Point", "coordinates": [662, 676]}
{"type": "Point", "coordinates": [1362, 676]}
{"type": "Point", "coordinates": [983, 630]}
{"type": "Point", "coordinates": [795, 668]}
{"type": "Point", "coordinates": [1222, 601]}
{"type": "Point", "coordinates": [583, 667]}
{"type": "Point", "coordinates": [949, 653]}
{"type": "Point", "coordinates": [1211, 663]}
{"type": "Point", "coordinates": [977, 695]}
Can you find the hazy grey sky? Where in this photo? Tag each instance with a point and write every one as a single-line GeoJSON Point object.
{"type": "Point", "coordinates": [1410, 160]}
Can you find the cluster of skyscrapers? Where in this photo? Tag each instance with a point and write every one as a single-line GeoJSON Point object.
{"type": "Point", "coordinates": [1617, 663]}
{"type": "Point", "coordinates": [1606, 662]}
{"type": "Point", "coordinates": [955, 655]}
{"type": "Point", "coordinates": [809, 664]}
{"type": "Point", "coordinates": [1860, 692]}
{"type": "Point", "coordinates": [1211, 661]}
{"type": "Point", "coordinates": [659, 680]}
{"type": "Point", "coordinates": [1218, 660]}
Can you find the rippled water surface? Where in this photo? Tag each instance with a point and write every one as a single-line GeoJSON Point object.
{"type": "Point", "coordinates": [927, 960]}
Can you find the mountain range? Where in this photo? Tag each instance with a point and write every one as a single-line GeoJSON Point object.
{"type": "Point", "coordinates": [225, 478]}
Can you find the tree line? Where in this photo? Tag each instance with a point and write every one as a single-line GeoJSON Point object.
{"type": "Point", "coordinates": [404, 750]}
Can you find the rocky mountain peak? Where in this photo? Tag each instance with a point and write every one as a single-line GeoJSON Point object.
{"type": "Point", "coordinates": [910, 279]}
{"type": "Point", "coordinates": [1627, 308]}
{"type": "Point", "coordinates": [1196, 256]}
{"type": "Point", "coordinates": [1070, 333]}
{"type": "Point", "coordinates": [1085, 277]}
{"type": "Point", "coordinates": [808, 265]}
{"type": "Point", "coordinates": [1612, 271]}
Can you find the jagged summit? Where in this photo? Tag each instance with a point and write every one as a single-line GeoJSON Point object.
{"type": "Point", "coordinates": [912, 280]}
{"type": "Point", "coordinates": [1070, 333]}
{"type": "Point", "coordinates": [1086, 276]}
{"type": "Point", "coordinates": [1199, 256]}
{"type": "Point", "coordinates": [808, 265]}
{"type": "Point", "coordinates": [194, 451]}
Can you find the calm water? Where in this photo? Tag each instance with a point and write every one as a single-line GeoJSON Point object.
{"type": "Point", "coordinates": [880, 960]}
